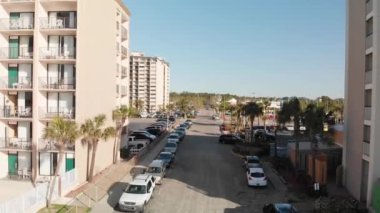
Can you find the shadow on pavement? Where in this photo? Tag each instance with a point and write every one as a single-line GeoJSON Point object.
{"type": "Point", "coordinates": [115, 192]}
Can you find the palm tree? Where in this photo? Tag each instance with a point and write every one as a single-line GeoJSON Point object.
{"type": "Point", "coordinates": [291, 110]}
{"type": "Point", "coordinates": [119, 116]}
{"type": "Point", "coordinates": [314, 118]}
{"type": "Point", "coordinates": [252, 110]}
{"type": "Point", "coordinates": [62, 133]}
{"type": "Point", "coordinates": [265, 104]}
{"type": "Point", "coordinates": [92, 132]}
{"type": "Point", "coordinates": [183, 105]}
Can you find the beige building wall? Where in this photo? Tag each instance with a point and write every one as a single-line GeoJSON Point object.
{"type": "Point", "coordinates": [361, 158]}
{"type": "Point", "coordinates": [99, 47]}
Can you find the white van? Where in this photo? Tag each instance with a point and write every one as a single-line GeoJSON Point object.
{"type": "Point", "coordinates": [157, 170]}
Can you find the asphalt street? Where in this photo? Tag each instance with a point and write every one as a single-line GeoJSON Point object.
{"type": "Point", "coordinates": [207, 177]}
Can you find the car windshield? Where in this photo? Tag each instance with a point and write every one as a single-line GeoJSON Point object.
{"type": "Point", "coordinates": [253, 161]}
{"type": "Point", "coordinates": [136, 189]}
{"type": "Point", "coordinates": [173, 136]}
{"type": "Point", "coordinates": [170, 145]}
{"type": "Point", "coordinates": [164, 156]}
{"type": "Point", "coordinates": [257, 174]}
{"type": "Point", "coordinates": [154, 170]}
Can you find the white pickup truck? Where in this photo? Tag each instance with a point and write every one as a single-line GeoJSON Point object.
{"type": "Point", "coordinates": [136, 145]}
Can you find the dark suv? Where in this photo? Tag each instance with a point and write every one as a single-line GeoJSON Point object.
{"type": "Point", "coordinates": [229, 138]}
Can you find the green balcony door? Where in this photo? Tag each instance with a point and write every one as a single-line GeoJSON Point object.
{"type": "Point", "coordinates": [12, 164]}
{"type": "Point", "coordinates": [13, 48]}
{"type": "Point", "coordinates": [12, 76]}
{"type": "Point", "coordinates": [70, 162]}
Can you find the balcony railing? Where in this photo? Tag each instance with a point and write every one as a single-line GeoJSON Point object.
{"type": "Point", "coordinates": [368, 77]}
{"type": "Point", "coordinates": [15, 112]}
{"type": "Point", "coordinates": [16, 52]}
{"type": "Point", "coordinates": [57, 83]}
{"type": "Point", "coordinates": [367, 113]}
{"type": "Point", "coordinates": [8, 82]}
{"type": "Point", "coordinates": [58, 23]}
{"type": "Point", "coordinates": [16, 143]}
{"type": "Point", "coordinates": [366, 149]}
{"type": "Point", "coordinates": [369, 41]}
{"type": "Point", "coordinates": [16, 24]}
{"type": "Point", "coordinates": [53, 112]}
{"type": "Point", "coordinates": [49, 145]}
{"type": "Point", "coordinates": [124, 51]}
{"type": "Point", "coordinates": [57, 53]}
{"type": "Point", "coordinates": [124, 72]}
{"type": "Point", "coordinates": [123, 90]}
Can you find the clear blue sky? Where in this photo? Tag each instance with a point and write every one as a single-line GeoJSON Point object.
{"type": "Point", "coordinates": [265, 47]}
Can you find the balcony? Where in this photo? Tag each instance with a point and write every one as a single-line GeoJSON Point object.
{"type": "Point", "coordinates": [16, 54]}
{"type": "Point", "coordinates": [124, 72]}
{"type": "Point", "coordinates": [368, 77]}
{"type": "Point", "coordinates": [58, 25]}
{"type": "Point", "coordinates": [124, 52]}
{"type": "Point", "coordinates": [369, 41]}
{"type": "Point", "coordinates": [52, 112]}
{"type": "Point", "coordinates": [21, 112]}
{"type": "Point", "coordinates": [57, 83]}
{"type": "Point", "coordinates": [57, 54]}
{"type": "Point", "coordinates": [16, 143]}
{"type": "Point", "coordinates": [49, 146]}
{"type": "Point", "coordinates": [124, 34]}
{"type": "Point", "coordinates": [367, 113]}
{"type": "Point", "coordinates": [369, 6]}
{"type": "Point", "coordinates": [123, 90]}
{"type": "Point", "coordinates": [366, 149]}
{"type": "Point", "coordinates": [17, 26]}
{"type": "Point", "coordinates": [16, 83]}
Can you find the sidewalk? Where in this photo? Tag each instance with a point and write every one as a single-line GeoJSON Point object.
{"type": "Point", "coordinates": [104, 192]}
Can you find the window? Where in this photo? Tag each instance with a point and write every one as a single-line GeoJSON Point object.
{"type": "Point", "coordinates": [367, 134]}
{"type": "Point", "coordinates": [368, 98]}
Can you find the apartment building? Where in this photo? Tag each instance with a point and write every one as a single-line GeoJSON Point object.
{"type": "Point", "coordinates": [58, 58]}
{"type": "Point", "coordinates": [149, 79]}
{"type": "Point", "coordinates": [361, 156]}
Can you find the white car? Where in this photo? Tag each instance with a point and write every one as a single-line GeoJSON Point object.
{"type": "Point", "coordinates": [173, 138]}
{"type": "Point", "coordinates": [171, 147]}
{"type": "Point", "coordinates": [146, 177]}
{"type": "Point", "coordinates": [256, 177]}
{"type": "Point", "coordinates": [144, 114]}
{"type": "Point", "coordinates": [157, 169]}
{"type": "Point", "coordinates": [136, 196]}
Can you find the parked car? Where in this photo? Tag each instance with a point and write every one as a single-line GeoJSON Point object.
{"type": "Point", "coordinates": [173, 138]}
{"type": "Point", "coordinates": [157, 169]}
{"type": "Point", "coordinates": [145, 132]}
{"type": "Point", "coordinates": [145, 177]}
{"type": "Point", "coordinates": [144, 114]}
{"type": "Point", "coordinates": [180, 133]}
{"type": "Point", "coordinates": [172, 147]}
{"type": "Point", "coordinates": [252, 162]}
{"type": "Point", "coordinates": [256, 177]}
{"type": "Point", "coordinates": [229, 138]}
{"type": "Point", "coordinates": [279, 208]}
{"type": "Point", "coordinates": [154, 131]}
{"type": "Point", "coordinates": [189, 122]}
{"type": "Point", "coordinates": [167, 158]}
{"type": "Point", "coordinates": [139, 135]}
{"type": "Point", "coordinates": [136, 196]}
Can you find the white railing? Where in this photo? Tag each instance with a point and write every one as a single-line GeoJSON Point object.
{"type": "Point", "coordinates": [36, 197]}
{"type": "Point", "coordinates": [369, 41]}
{"type": "Point", "coordinates": [368, 77]}
{"type": "Point", "coordinates": [366, 148]}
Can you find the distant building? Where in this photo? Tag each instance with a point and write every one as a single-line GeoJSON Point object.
{"type": "Point", "coordinates": [232, 102]}
{"type": "Point", "coordinates": [149, 81]}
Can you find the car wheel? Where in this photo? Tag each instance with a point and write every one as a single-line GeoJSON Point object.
{"type": "Point", "coordinates": [143, 208]}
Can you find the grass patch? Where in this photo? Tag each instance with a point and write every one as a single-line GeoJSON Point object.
{"type": "Point", "coordinates": [57, 208]}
